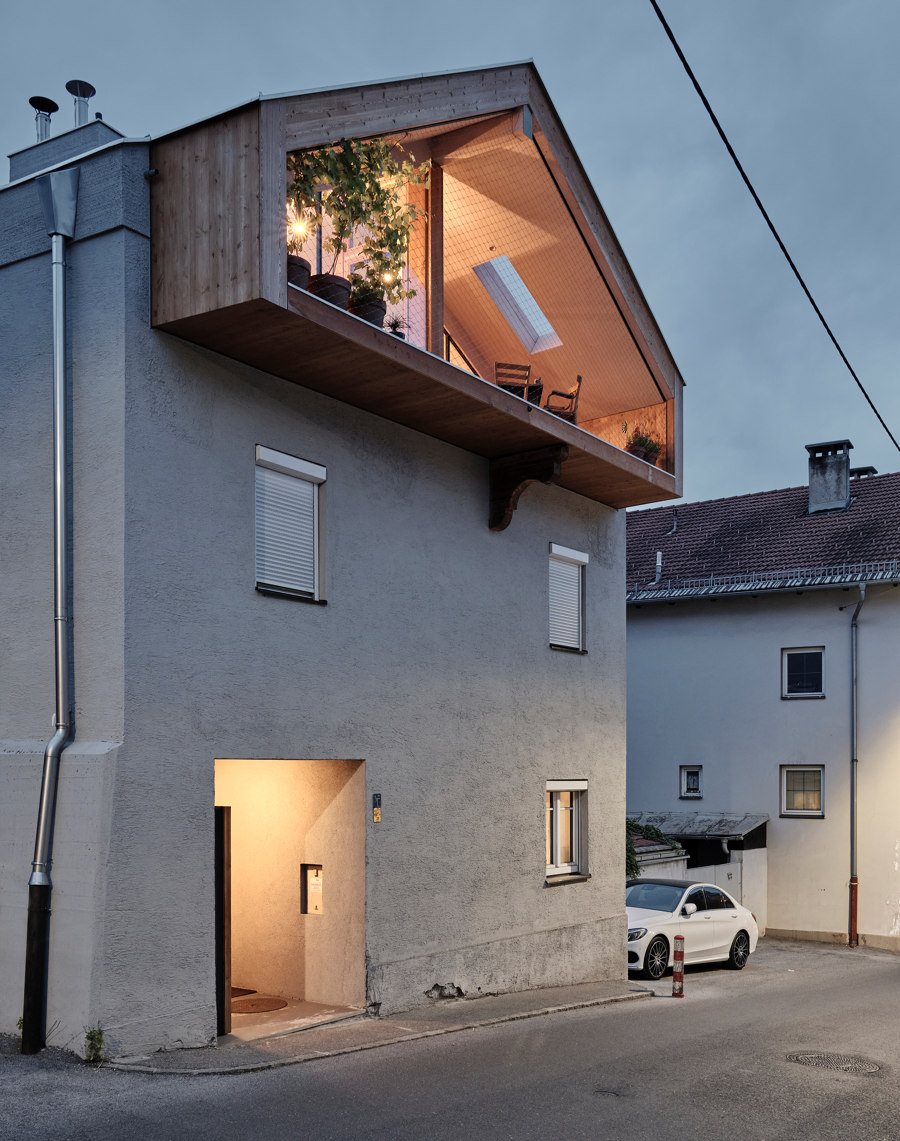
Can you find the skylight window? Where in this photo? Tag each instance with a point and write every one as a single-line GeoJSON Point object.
{"type": "Point", "coordinates": [511, 296]}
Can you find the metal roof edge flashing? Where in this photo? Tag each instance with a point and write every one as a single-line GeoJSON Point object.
{"type": "Point", "coordinates": [67, 162]}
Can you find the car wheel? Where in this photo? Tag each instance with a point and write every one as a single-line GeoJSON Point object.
{"type": "Point", "coordinates": [656, 961]}
{"type": "Point", "coordinates": [740, 951]}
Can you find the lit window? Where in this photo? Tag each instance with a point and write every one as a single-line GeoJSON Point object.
{"type": "Point", "coordinates": [288, 491]}
{"type": "Point", "coordinates": [691, 786]}
{"type": "Point", "coordinates": [566, 817]}
{"type": "Point", "coordinates": [567, 598]}
{"type": "Point", "coordinates": [802, 790]}
{"type": "Point", "coordinates": [803, 672]}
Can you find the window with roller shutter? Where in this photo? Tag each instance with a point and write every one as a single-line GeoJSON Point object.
{"type": "Point", "coordinates": [567, 598]}
{"type": "Point", "coordinates": [287, 524]}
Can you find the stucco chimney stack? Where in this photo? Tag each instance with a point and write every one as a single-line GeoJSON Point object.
{"type": "Point", "coordinates": [829, 475]}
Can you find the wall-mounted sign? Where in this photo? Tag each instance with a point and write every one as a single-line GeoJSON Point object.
{"type": "Point", "coordinates": [311, 898]}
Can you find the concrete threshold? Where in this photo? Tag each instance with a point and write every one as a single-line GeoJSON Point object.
{"type": "Point", "coordinates": [350, 1034]}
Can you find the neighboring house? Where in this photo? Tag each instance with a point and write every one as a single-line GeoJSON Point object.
{"type": "Point", "coordinates": [300, 586]}
{"type": "Point", "coordinates": [763, 716]}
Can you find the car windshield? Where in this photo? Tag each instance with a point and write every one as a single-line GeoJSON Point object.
{"type": "Point", "coordinates": [653, 896]}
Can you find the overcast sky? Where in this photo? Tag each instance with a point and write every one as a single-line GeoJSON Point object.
{"type": "Point", "coordinates": [807, 90]}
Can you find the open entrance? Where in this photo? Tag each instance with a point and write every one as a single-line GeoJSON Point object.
{"type": "Point", "coordinates": [290, 867]}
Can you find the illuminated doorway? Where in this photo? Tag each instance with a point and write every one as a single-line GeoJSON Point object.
{"type": "Point", "coordinates": [297, 880]}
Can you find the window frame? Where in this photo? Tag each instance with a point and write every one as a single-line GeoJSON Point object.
{"type": "Point", "coordinates": [684, 792]}
{"type": "Point", "coordinates": [785, 654]}
{"type": "Point", "coordinates": [577, 866]}
{"type": "Point", "coordinates": [566, 557]}
{"type": "Point", "coordinates": [801, 813]}
{"type": "Point", "coordinates": [304, 471]}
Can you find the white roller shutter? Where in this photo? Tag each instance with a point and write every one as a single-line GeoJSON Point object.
{"type": "Point", "coordinates": [566, 618]}
{"type": "Point", "coordinates": [287, 529]}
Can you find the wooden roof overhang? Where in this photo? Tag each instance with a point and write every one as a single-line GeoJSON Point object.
{"type": "Point", "coordinates": [333, 352]}
{"type": "Point", "coordinates": [506, 181]}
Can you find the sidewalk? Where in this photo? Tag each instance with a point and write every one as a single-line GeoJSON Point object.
{"type": "Point", "coordinates": [346, 1036]}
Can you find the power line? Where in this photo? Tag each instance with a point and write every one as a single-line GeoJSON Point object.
{"type": "Point", "coordinates": [769, 223]}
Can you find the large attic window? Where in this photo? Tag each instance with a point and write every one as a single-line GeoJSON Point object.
{"type": "Point", "coordinates": [511, 296]}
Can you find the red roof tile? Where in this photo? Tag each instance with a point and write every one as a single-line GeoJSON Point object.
{"type": "Point", "coordinates": [766, 534]}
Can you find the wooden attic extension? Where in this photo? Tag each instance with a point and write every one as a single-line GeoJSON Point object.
{"type": "Point", "coordinates": [504, 182]}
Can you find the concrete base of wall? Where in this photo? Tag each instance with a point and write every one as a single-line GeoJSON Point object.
{"type": "Point", "coordinates": [838, 937]}
{"type": "Point", "coordinates": [881, 942]}
{"type": "Point", "coordinates": [589, 952]}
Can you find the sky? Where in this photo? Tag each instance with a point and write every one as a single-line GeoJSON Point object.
{"type": "Point", "coordinates": [807, 91]}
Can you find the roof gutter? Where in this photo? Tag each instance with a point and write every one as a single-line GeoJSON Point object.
{"type": "Point", "coordinates": [639, 597]}
{"type": "Point", "coordinates": [59, 199]}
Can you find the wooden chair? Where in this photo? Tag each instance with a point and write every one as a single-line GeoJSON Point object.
{"type": "Point", "coordinates": [566, 404]}
{"type": "Point", "coordinates": [516, 378]}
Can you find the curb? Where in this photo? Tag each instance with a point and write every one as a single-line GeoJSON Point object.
{"type": "Point", "coordinates": [317, 1055]}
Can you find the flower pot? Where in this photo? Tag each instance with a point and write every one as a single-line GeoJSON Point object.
{"type": "Point", "coordinates": [298, 270]}
{"type": "Point", "coordinates": [331, 288]}
{"type": "Point", "coordinates": [636, 451]}
{"type": "Point", "coordinates": [371, 309]}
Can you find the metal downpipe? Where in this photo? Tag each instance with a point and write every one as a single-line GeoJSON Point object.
{"type": "Point", "coordinates": [58, 193]}
{"type": "Point", "coordinates": [853, 931]}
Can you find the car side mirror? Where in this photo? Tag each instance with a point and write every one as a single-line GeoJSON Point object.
{"type": "Point", "coordinates": [689, 909]}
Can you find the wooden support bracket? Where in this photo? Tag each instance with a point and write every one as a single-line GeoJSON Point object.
{"type": "Point", "coordinates": [510, 475]}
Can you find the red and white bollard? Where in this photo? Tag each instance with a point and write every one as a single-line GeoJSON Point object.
{"type": "Point", "coordinates": [678, 968]}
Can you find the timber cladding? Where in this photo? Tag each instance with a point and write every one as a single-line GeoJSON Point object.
{"type": "Point", "coordinates": [205, 217]}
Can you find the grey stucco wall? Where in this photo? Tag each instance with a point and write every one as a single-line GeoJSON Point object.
{"type": "Point", "coordinates": [704, 687]}
{"type": "Point", "coordinates": [430, 663]}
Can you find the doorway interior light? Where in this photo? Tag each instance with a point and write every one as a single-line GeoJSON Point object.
{"type": "Point", "coordinates": [511, 296]}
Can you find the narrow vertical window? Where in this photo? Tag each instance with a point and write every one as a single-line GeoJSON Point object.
{"type": "Point", "coordinates": [287, 524]}
{"type": "Point", "coordinates": [565, 817]}
{"type": "Point", "coordinates": [567, 598]}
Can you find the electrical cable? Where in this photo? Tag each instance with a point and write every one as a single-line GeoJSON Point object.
{"type": "Point", "coordinates": [768, 220]}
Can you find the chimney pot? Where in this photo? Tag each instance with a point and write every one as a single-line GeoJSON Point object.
{"type": "Point", "coordinates": [829, 476]}
{"type": "Point", "coordinates": [82, 92]}
{"type": "Point", "coordinates": [44, 108]}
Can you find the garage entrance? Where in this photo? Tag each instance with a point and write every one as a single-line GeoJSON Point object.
{"type": "Point", "coordinates": [296, 886]}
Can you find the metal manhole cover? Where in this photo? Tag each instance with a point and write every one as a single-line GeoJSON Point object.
{"type": "Point", "coordinates": [843, 1062]}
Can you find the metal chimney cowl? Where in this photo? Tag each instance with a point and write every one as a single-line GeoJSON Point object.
{"type": "Point", "coordinates": [829, 476]}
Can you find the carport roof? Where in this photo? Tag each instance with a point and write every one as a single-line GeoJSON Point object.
{"type": "Point", "coordinates": [711, 824]}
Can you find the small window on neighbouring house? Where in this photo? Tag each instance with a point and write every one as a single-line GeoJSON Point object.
{"type": "Point", "coordinates": [567, 598]}
{"type": "Point", "coordinates": [565, 819]}
{"type": "Point", "coordinates": [288, 492]}
{"type": "Point", "coordinates": [802, 790]}
{"type": "Point", "coordinates": [803, 672]}
{"type": "Point", "coordinates": [691, 786]}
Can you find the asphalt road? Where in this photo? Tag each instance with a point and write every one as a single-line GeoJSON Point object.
{"type": "Point", "coordinates": [712, 1066]}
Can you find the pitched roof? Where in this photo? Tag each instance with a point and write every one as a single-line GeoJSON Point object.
{"type": "Point", "coordinates": [765, 541]}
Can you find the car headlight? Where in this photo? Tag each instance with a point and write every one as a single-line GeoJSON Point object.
{"type": "Point", "coordinates": [636, 933]}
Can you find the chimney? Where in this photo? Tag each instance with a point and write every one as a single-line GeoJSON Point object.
{"type": "Point", "coordinates": [829, 476]}
{"type": "Point", "coordinates": [82, 92]}
{"type": "Point", "coordinates": [44, 108]}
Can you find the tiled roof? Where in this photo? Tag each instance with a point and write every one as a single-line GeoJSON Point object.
{"type": "Point", "coordinates": [765, 541]}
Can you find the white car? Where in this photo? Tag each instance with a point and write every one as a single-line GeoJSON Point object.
{"type": "Point", "coordinates": [715, 928]}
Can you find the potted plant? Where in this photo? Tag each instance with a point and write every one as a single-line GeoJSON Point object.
{"type": "Point", "coordinates": [359, 185]}
{"type": "Point", "coordinates": [644, 446]}
{"type": "Point", "coordinates": [395, 325]}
